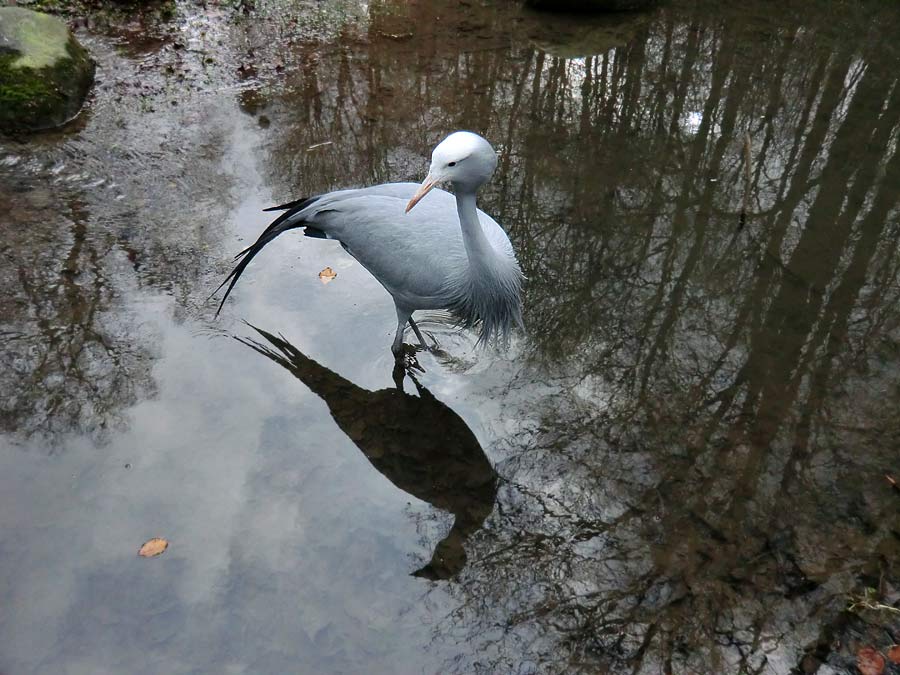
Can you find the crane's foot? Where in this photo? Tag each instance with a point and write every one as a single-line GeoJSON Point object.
{"type": "Point", "coordinates": [405, 363]}
{"type": "Point", "coordinates": [423, 346]}
{"type": "Point", "coordinates": [406, 355]}
{"type": "Point", "coordinates": [404, 350]}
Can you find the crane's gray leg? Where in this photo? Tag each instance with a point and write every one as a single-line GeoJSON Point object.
{"type": "Point", "coordinates": [418, 333]}
{"type": "Point", "coordinates": [402, 318]}
{"type": "Point", "coordinates": [404, 359]}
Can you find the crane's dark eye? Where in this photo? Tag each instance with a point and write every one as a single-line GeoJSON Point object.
{"type": "Point", "coordinates": [452, 164]}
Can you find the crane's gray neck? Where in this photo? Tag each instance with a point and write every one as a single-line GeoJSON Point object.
{"type": "Point", "coordinates": [478, 249]}
{"type": "Point", "coordinates": [489, 294]}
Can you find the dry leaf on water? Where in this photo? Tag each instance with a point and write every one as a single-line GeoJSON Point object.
{"type": "Point", "coordinates": [895, 485]}
{"type": "Point", "coordinates": [870, 661]}
{"type": "Point", "coordinates": [153, 547]}
{"type": "Point", "coordinates": [894, 654]}
{"type": "Point", "coordinates": [327, 275]}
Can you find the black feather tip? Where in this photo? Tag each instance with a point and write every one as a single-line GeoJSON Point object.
{"type": "Point", "coordinates": [278, 226]}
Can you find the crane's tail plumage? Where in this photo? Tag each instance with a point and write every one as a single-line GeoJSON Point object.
{"type": "Point", "coordinates": [289, 220]}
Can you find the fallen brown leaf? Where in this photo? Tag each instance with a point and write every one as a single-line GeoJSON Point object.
{"type": "Point", "coordinates": [895, 486]}
{"type": "Point", "coordinates": [153, 547]}
{"type": "Point", "coordinates": [327, 275]}
{"type": "Point", "coordinates": [870, 661]}
{"type": "Point", "coordinates": [893, 653]}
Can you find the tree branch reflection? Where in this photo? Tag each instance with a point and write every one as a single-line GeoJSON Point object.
{"type": "Point", "coordinates": [698, 492]}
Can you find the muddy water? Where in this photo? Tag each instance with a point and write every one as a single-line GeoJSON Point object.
{"type": "Point", "coordinates": [680, 467]}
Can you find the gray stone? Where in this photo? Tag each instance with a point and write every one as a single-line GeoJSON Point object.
{"type": "Point", "coordinates": [45, 74]}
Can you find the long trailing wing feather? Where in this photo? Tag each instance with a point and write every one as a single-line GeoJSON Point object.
{"type": "Point", "coordinates": [286, 221]}
{"type": "Point", "coordinates": [301, 203]}
{"type": "Point", "coordinates": [291, 209]}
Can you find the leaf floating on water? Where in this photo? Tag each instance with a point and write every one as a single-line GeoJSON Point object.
{"type": "Point", "coordinates": [894, 654]}
{"type": "Point", "coordinates": [153, 547]}
{"type": "Point", "coordinates": [870, 661]}
{"type": "Point", "coordinates": [327, 275]}
{"type": "Point", "coordinates": [895, 486]}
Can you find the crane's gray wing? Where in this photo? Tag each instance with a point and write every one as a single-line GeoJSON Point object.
{"type": "Point", "coordinates": [419, 257]}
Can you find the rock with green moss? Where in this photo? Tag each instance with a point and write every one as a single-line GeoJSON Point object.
{"type": "Point", "coordinates": [45, 74]}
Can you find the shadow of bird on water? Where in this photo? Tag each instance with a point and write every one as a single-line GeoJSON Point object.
{"type": "Point", "coordinates": [416, 442]}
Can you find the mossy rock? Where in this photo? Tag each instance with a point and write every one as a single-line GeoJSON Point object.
{"type": "Point", "coordinates": [591, 5]}
{"type": "Point", "coordinates": [45, 74]}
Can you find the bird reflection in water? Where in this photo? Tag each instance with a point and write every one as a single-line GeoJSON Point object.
{"type": "Point", "coordinates": [416, 442]}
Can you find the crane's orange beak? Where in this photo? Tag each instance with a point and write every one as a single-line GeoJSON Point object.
{"type": "Point", "coordinates": [423, 190]}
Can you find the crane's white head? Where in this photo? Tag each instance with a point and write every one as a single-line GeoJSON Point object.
{"type": "Point", "coordinates": [464, 159]}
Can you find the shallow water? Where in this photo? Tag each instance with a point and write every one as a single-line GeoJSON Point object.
{"type": "Point", "coordinates": [679, 467]}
